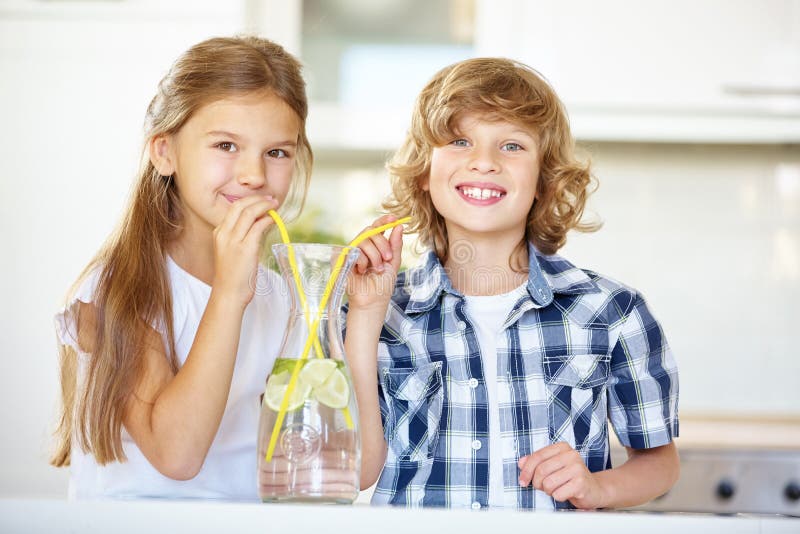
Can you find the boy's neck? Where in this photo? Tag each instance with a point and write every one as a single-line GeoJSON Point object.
{"type": "Point", "coordinates": [484, 266]}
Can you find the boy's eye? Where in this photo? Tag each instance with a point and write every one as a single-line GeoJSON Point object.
{"type": "Point", "coordinates": [277, 153]}
{"type": "Point", "coordinates": [226, 146]}
{"type": "Point", "coordinates": [460, 142]}
{"type": "Point", "coordinates": [512, 147]}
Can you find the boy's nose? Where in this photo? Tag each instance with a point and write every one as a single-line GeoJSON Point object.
{"type": "Point", "coordinates": [484, 162]}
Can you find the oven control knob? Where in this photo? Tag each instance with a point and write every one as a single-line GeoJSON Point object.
{"type": "Point", "coordinates": [725, 489]}
{"type": "Point", "coordinates": [792, 491]}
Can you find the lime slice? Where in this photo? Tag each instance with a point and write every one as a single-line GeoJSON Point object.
{"type": "Point", "coordinates": [316, 372]}
{"type": "Point", "coordinates": [276, 389]}
{"type": "Point", "coordinates": [334, 392]}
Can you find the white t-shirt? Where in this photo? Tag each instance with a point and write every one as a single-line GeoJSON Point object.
{"type": "Point", "coordinates": [229, 470]}
{"type": "Point", "coordinates": [488, 313]}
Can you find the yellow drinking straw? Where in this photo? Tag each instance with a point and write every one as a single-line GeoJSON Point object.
{"type": "Point", "coordinates": [312, 335]}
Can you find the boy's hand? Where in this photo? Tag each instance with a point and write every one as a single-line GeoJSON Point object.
{"type": "Point", "coordinates": [559, 471]}
{"type": "Point", "coordinates": [372, 279]}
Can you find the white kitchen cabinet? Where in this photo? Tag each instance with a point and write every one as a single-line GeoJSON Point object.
{"type": "Point", "coordinates": [715, 70]}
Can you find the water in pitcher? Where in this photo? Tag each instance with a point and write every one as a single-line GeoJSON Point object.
{"type": "Point", "coordinates": [308, 444]}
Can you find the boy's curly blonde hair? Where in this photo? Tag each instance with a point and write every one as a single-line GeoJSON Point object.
{"type": "Point", "coordinates": [500, 89]}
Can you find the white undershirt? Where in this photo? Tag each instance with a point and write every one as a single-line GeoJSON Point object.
{"type": "Point", "coordinates": [488, 313]}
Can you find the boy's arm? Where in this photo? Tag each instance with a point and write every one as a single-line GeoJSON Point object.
{"type": "Point", "coordinates": [369, 291]}
{"type": "Point", "coordinates": [647, 474]}
{"type": "Point", "coordinates": [559, 471]}
{"type": "Point", "coordinates": [361, 345]}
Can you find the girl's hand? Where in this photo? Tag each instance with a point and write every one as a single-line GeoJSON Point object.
{"type": "Point", "coordinates": [559, 471]}
{"type": "Point", "coordinates": [237, 241]}
{"type": "Point", "coordinates": [371, 282]}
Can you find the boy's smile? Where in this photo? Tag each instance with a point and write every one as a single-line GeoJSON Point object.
{"type": "Point", "coordinates": [483, 182]}
{"type": "Point", "coordinates": [481, 193]}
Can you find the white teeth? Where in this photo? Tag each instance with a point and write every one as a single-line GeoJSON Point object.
{"type": "Point", "coordinates": [481, 194]}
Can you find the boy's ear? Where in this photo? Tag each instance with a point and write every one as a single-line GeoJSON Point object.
{"type": "Point", "coordinates": [161, 154]}
{"type": "Point", "coordinates": [425, 182]}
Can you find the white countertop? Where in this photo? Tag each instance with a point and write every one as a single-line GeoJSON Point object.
{"type": "Point", "coordinates": [197, 517]}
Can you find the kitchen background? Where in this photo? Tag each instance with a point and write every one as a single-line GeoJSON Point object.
{"type": "Point", "coordinates": [690, 111]}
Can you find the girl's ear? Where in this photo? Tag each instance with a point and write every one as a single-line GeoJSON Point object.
{"type": "Point", "coordinates": [161, 154]}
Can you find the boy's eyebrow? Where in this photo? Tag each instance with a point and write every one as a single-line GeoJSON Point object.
{"type": "Point", "coordinates": [523, 132]}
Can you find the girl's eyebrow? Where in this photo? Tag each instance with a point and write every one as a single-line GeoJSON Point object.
{"type": "Point", "coordinates": [223, 133]}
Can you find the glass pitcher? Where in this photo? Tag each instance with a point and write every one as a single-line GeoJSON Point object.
{"type": "Point", "coordinates": [309, 446]}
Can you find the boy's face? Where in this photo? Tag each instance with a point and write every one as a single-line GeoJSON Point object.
{"type": "Point", "coordinates": [483, 182]}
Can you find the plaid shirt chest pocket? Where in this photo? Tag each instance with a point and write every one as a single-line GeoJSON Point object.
{"type": "Point", "coordinates": [414, 397]}
{"type": "Point", "coordinates": [577, 406]}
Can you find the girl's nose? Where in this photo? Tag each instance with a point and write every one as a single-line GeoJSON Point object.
{"type": "Point", "coordinates": [252, 174]}
{"type": "Point", "coordinates": [484, 161]}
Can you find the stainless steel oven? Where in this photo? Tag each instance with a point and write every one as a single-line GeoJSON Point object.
{"type": "Point", "coordinates": [732, 481]}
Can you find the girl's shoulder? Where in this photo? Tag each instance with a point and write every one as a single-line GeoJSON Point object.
{"type": "Point", "coordinates": [83, 291]}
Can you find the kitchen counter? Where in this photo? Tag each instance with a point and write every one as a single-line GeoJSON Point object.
{"type": "Point", "coordinates": [197, 517]}
{"type": "Point", "coordinates": [719, 432]}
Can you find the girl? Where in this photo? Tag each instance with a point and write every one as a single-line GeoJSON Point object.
{"type": "Point", "coordinates": [173, 326]}
{"type": "Point", "coordinates": [500, 363]}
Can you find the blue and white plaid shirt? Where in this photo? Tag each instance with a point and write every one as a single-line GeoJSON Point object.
{"type": "Point", "coordinates": [576, 350]}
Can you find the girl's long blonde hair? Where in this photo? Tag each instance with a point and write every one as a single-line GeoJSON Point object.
{"type": "Point", "coordinates": [499, 89]}
{"type": "Point", "coordinates": [133, 291]}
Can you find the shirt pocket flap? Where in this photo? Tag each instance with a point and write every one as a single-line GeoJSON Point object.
{"type": "Point", "coordinates": [413, 384]}
{"type": "Point", "coordinates": [577, 370]}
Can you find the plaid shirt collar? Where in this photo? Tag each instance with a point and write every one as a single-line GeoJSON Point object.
{"type": "Point", "coordinates": [547, 276]}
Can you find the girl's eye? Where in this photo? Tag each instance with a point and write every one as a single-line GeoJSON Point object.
{"type": "Point", "coordinates": [226, 146]}
{"type": "Point", "coordinates": [512, 147]}
{"type": "Point", "coordinates": [277, 153]}
{"type": "Point", "coordinates": [460, 143]}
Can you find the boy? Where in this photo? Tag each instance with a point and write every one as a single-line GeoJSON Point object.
{"type": "Point", "coordinates": [500, 363]}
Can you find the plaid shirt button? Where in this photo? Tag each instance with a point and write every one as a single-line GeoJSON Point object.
{"type": "Point", "coordinates": [476, 505]}
{"type": "Point", "coordinates": [473, 383]}
{"type": "Point", "coordinates": [477, 444]}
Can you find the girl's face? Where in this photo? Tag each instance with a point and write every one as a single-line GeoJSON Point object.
{"type": "Point", "coordinates": [484, 181]}
{"type": "Point", "coordinates": [228, 149]}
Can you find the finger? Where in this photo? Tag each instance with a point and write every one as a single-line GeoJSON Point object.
{"type": "Point", "coordinates": [527, 464]}
{"type": "Point", "coordinates": [254, 235]}
{"type": "Point", "coordinates": [571, 490]}
{"type": "Point", "coordinates": [552, 474]}
{"type": "Point", "coordinates": [545, 469]}
{"type": "Point", "coordinates": [383, 219]}
{"type": "Point", "coordinates": [235, 210]}
{"type": "Point", "coordinates": [396, 242]}
{"type": "Point", "coordinates": [372, 253]}
{"type": "Point", "coordinates": [249, 214]}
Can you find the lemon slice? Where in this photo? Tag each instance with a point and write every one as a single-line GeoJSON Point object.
{"type": "Point", "coordinates": [334, 392]}
{"type": "Point", "coordinates": [276, 389]}
{"type": "Point", "coordinates": [316, 372]}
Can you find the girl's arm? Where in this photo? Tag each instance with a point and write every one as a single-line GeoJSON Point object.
{"type": "Point", "coordinates": [369, 291]}
{"type": "Point", "coordinates": [173, 418]}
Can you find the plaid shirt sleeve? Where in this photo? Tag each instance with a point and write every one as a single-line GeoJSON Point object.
{"type": "Point", "coordinates": [643, 390]}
